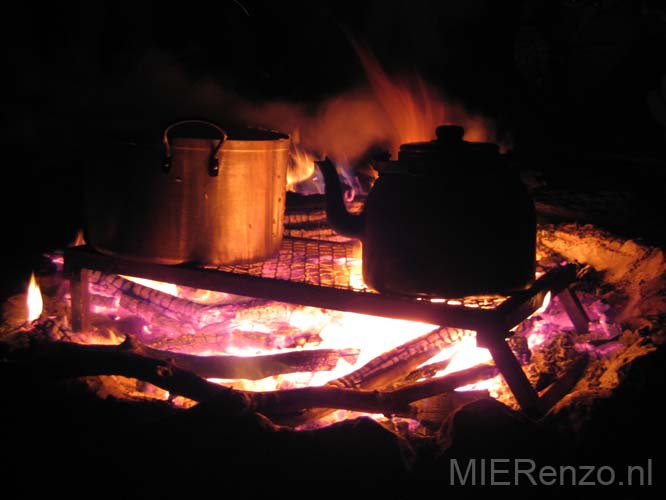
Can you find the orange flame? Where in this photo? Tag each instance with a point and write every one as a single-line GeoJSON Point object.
{"type": "Point", "coordinates": [544, 305]}
{"type": "Point", "coordinates": [388, 112]}
{"type": "Point", "coordinates": [78, 239]}
{"type": "Point", "coordinates": [34, 299]}
{"type": "Point", "coordinates": [302, 167]}
{"type": "Point", "coordinates": [415, 109]}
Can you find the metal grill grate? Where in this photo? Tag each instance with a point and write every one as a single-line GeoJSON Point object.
{"type": "Point", "coordinates": [320, 263]}
{"type": "Point", "coordinates": [312, 224]}
{"type": "Point", "coordinates": [331, 264]}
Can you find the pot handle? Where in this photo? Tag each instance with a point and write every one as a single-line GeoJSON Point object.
{"type": "Point", "coordinates": [213, 162]}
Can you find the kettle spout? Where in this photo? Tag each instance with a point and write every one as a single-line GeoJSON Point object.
{"type": "Point", "coordinates": [336, 213]}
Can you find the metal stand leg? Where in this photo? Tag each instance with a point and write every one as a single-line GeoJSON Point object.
{"type": "Point", "coordinates": [574, 310]}
{"type": "Point", "coordinates": [80, 299]}
{"type": "Point", "coordinates": [508, 365]}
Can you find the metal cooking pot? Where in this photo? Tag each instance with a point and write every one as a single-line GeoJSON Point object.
{"type": "Point", "coordinates": [203, 196]}
{"type": "Point", "coordinates": [448, 219]}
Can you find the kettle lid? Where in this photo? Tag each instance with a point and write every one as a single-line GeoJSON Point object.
{"type": "Point", "coordinates": [449, 141]}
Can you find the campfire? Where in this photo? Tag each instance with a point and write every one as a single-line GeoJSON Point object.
{"type": "Point", "coordinates": [299, 343]}
{"type": "Point", "coordinates": [306, 366]}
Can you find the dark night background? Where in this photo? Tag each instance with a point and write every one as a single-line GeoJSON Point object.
{"type": "Point", "coordinates": [569, 80]}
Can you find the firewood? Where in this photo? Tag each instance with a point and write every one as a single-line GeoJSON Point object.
{"type": "Point", "coordinates": [385, 369]}
{"type": "Point", "coordinates": [386, 402]}
{"type": "Point", "coordinates": [431, 412]}
{"type": "Point", "coordinates": [56, 360]}
{"type": "Point", "coordinates": [161, 326]}
{"type": "Point", "coordinates": [161, 300]}
{"type": "Point", "coordinates": [563, 385]}
{"type": "Point", "coordinates": [285, 337]}
{"type": "Point", "coordinates": [427, 371]}
{"type": "Point", "coordinates": [222, 366]}
{"type": "Point", "coordinates": [146, 301]}
{"type": "Point", "coordinates": [382, 370]}
{"type": "Point", "coordinates": [171, 335]}
{"type": "Point", "coordinates": [149, 303]}
{"type": "Point", "coordinates": [223, 338]}
{"type": "Point", "coordinates": [251, 367]}
{"type": "Point", "coordinates": [107, 302]}
{"type": "Point", "coordinates": [48, 360]}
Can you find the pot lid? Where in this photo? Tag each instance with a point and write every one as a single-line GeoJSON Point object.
{"type": "Point", "coordinates": [201, 131]}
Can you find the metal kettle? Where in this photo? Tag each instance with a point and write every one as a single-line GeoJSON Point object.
{"type": "Point", "coordinates": [448, 219]}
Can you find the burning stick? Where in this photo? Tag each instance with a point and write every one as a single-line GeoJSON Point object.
{"type": "Point", "coordinates": [51, 360]}
{"type": "Point", "coordinates": [388, 402]}
{"type": "Point", "coordinates": [161, 326]}
{"type": "Point", "coordinates": [253, 368]}
{"type": "Point", "coordinates": [393, 364]}
{"type": "Point", "coordinates": [427, 371]}
{"type": "Point", "coordinates": [159, 299]}
{"type": "Point", "coordinates": [389, 367]}
{"type": "Point", "coordinates": [228, 366]}
{"type": "Point", "coordinates": [144, 300]}
{"type": "Point", "coordinates": [173, 313]}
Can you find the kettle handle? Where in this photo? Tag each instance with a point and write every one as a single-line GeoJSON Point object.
{"type": "Point", "coordinates": [213, 163]}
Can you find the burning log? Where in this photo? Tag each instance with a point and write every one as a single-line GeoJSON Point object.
{"type": "Point", "coordinates": [432, 412]}
{"type": "Point", "coordinates": [222, 339]}
{"type": "Point", "coordinates": [48, 360]}
{"type": "Point", "coordinates": [171, 335]}
{"type": "Point", "coordinates": [284, 338]}
{"type": "Point", "coordinates": [159, 308]}
{"type": "Point", "coordinates": [389, 367]}
{"type": "Point", "coordinates": [104, 301]}
{"type": "Point", "coordinates": [146, 301]}
{"type": "Point", "coordinates": [427, 371]}
{"type": "Point", "coordinates": [387, 402]}
{"type": "Point", "coordinates": [51, 360]}
{"type": "Point", "coordinates": [393, 364]}
{"type": "Point", "coordinates": [228, 366]}
{"type": "Point", "coordinates": [162, 326]}
{"type": "Point", "coordinates": [159, 299]}
{"type": "Point", "coordinates": [253, 368]}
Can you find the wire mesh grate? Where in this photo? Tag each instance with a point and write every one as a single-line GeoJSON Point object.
{"type": "Point", "coordinates": [315, 262]}
{"type": "Point", "coordinates": [335, 264]}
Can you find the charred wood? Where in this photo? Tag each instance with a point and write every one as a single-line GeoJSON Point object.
{"type": "Point", "coordinates": [146, 301]}
{"type": "Point", "coordinates": [57, 360]}
{"type": "Point", "coordinates": [427, 371]}
{"type": "Point", "coordinates": [386, 402]}
{"type": "Point", "coordinates": [384, 369]}
{"type": "Point", "coordinates": [252, 368]}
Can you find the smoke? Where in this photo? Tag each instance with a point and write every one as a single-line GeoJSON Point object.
{"type": "Point", "coordinates": [377, 115]}
{"type": "Point", "coordinates": [385, 112]}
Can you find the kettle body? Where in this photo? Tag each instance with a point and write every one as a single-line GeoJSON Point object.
{"type": "Point", "coordinates": [447, 219]}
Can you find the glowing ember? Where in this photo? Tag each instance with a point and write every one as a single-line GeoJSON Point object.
{"type": "Point", "coordinates": [35, 303]}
